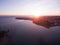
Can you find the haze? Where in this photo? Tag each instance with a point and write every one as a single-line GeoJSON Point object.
{"type": "Point", "coordinates": [29, 7]}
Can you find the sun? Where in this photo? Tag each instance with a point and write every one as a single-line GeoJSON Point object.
{"type": "Point", "coordinates": [37, 14]}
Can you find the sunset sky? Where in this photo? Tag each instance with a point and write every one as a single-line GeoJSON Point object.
{"type": "Point", "coordinates": [29, 7]}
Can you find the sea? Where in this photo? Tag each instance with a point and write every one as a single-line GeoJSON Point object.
{"type": "Point", "coordinates": [25, 32]}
